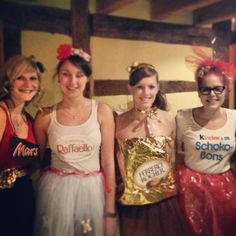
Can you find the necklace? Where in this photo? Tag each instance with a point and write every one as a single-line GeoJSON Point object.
{"type": "Point", "coordinates": [72, 116]}
{"type": "Point", "coordinates": [17, 120]}
{"type": "Point", "coordinates": [152, 113]}
{"type": "Point", "coordinates": [144, 112]}
{"type": "Point", "coordinates": [149, 115]}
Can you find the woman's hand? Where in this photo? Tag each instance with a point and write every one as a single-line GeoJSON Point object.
{"type": "Point", "coordinates": [110, 226]}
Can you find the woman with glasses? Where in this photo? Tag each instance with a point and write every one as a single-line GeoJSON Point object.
{"type": "Point", "coordinates": [205, 146]}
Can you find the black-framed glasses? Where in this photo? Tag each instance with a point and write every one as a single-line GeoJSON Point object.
{"type": "Point", "coordinates": [207, 90]}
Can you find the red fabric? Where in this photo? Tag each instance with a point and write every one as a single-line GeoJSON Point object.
{"type": "Point", "coordinates": [208, 201]}
{"type": "Point", "coordinates": [6, 160]}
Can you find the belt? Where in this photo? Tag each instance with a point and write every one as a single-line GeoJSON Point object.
{"type": "Point", "coordinates": [8, 177]}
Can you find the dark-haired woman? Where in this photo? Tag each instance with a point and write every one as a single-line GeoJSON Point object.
{"type": "Point", "coordinates": [75, 194]}
{"type": "Point", "coordinates": [147, 203]}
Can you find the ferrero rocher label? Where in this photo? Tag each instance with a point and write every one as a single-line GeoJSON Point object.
{"type": "Point", "coordinates": [147, 176]}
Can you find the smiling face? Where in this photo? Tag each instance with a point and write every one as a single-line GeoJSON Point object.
{"type": "Point", "coordinates": [24, 87]}
{"type": "Point", "coordinates": [212, 91]}
{"type": "Point", "coordinates": [144, 92]}
{"type": "Point", "coordinates": [72, 80]}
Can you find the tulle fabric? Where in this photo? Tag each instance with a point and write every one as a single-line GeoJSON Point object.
{"type": "Point", "coordinates": [163, 218]}
{"type": "Point", "coordinates": [71, 205]}
{"type": "Point", "coordinates": [208, 201]}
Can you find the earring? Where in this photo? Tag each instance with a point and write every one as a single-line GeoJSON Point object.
{"type": "Point", "coordinates": [5, 90]}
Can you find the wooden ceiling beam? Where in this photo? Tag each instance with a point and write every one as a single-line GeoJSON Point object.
{"type": "Point", "coordinates": [80, 29]}
{"type": "Point", "coordinates": [107, 6]}
{"type": "Point", "coordinates": [46, 19]}
{"type": "Point", "coordinates": [28, 17]}
{"type": "Point", "coordinates": [163, 8]}
{"type": "Point", "coordinates": [132, 29]}
{"type": "Point", "coordinates": [224, 10]}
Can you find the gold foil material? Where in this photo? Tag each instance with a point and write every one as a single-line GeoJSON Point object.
{"type": "Point", "coordinates": [8, 178]}
{"type": "Point", "coordinates": [148, 171]}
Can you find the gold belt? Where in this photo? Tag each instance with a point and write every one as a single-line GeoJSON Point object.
{"type": "Point", "coordinates": [8, 177]}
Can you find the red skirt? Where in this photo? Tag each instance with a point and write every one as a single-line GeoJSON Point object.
{"type": "Point", "coordinates": [208, 201]}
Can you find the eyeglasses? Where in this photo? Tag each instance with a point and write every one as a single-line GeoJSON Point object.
{"type": "Point", "coordinates": [207, 90]}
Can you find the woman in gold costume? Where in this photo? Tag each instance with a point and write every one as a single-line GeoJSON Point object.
{"type": "Point", "coordinates": [145, 134]}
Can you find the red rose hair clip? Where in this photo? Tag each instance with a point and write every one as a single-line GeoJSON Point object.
{"type": "Point", "coordinates": [64, 51]}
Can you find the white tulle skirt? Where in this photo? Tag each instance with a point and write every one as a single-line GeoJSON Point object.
{"type": "Point", "coordinates": [70, 205]}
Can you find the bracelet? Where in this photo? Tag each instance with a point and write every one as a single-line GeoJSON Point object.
{"type": "Point", "coordinates": [109, 214]}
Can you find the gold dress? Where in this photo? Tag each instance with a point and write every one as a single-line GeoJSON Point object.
{"type": "Point", "coordinates": [146, 188]}
{"type": "Point", "coordinates": [147, 171]}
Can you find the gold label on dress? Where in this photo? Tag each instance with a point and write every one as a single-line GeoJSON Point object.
{"type": "Point", "coordinates": [151, 173]}
{"type": "Point", "coordinates": [147, 173]}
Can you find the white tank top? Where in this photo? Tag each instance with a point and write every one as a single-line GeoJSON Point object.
{"type": "Point", "coordinates": [75, 147]}
{"type": "Point", "coordinates": [206, 150]}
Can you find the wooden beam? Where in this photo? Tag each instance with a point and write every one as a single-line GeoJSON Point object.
{"type": "Point", "coordinates": [119, 87]}
{"type": "Point", "coordinates": [12, 42]}
{"type": "Point", "coordinates": [1, 44]}
{"type": "Point", "coordinates": [35, 18]}
{"type": "Point", "coordinates": [222, 35]}
{"type": "Point", "coordinates": [133, 29]}
{"type": "Point", "coordinates": [107, 6]}
{"type": "Point", "coordinates": [80, 30]}
{"type": "Point", "coordinates": [163, 8]}
{"type": "Point", "coordinates": [58, 21]}
{"type": "Point", "coordinates": [224, 10]}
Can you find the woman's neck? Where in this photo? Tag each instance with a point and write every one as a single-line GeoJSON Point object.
{"type": "Point", "coordinates": [210, 114]}
{"type": "Point", "coordinates": [73, 103]}
{"type": "Point", "coordinates": [14, 106]}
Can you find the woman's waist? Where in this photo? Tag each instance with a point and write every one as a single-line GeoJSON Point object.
{"type": "Point", "coordinates": [86, 165]}
{"type": "Point", "coordinates": [72, 171]}
{"type": "Point", "coordinates": [7, 163]}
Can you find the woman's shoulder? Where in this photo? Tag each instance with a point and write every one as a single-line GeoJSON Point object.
{"type": "Point", "coordinates": [44, 112]}
{"type": "Point", "coordinates": [165, 114]}
{"type": "Point", "coordinates": [231, 114]}
{"type": "Point", "coordinates": [123, 116]}
{"type": "Point", "coordinates": [230, 111]}
{"type": "Point", "coordinates": [184, 113]}
{"type": "Point", "coordinates": [3, 114]}
{"type": "Point", "coordinates": [104, 110]}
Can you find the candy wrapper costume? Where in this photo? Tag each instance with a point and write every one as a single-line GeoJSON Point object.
{"type": "Point", "coordinates": [146, 190]}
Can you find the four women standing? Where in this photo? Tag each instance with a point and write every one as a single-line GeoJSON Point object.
{"type": "Point", "coordinates": [76, 193]}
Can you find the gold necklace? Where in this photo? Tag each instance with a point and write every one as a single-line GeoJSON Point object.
{"type": "Point", "coordinates": [150, 114]}
{"type": "Point", "coordinates": [144, 112]}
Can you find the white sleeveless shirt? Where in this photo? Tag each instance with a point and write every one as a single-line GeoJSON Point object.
{"type": "Point", "coordinates": [75, 147]}
{"type": "Point", "coordinates": [207, 151]}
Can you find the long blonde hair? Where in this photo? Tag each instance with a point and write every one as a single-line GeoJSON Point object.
{"type": "Point", "coordinates": [14, 68]}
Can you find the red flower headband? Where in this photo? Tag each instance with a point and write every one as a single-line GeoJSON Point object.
{"type": "Point", "coordinates": [204, 63]}
{"type": "Point", "coordinates": [64, 51]}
